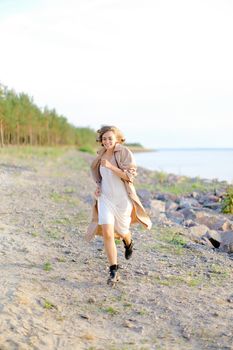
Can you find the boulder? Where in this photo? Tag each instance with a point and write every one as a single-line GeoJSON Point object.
{"type": "Point", "coordinates": [195, 195]}
{"type": "Point", "coordinates": [212, 238]}
{"type": "Point", "coordinates": [188, 213]}
{"type": "Point", "coordinates": [170, 205]}
{"type": "Point", "coordinates": [189, 203]}
{"type": "Point", "coordinates": [175, 216]}
{"type": "Point", "coordinates": [197, 232]}
{"type": "Point", "coordinates": [220, 239]}
{"type": "Point", "coordinates": [145, 197]}
{"type": "Point", "coordinates": [157, 208]}
{"type": "Point", "coordinates": [189, 223]}
{"type": "Point", "coordinates": [226, 244]}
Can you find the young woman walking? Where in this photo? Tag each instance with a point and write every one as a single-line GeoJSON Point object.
{"type": "Point", "coordinates": [116, 203]}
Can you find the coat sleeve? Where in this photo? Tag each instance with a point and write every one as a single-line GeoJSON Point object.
{"type": "Point", "coordinates": [128, 164]}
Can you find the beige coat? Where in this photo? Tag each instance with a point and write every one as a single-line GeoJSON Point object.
{"type": "Point", "coordinates": [126, 163]}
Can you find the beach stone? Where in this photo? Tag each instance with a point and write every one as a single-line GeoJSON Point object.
{"type": "Point", "coordinates": [175, 216]}
{"type": "Point", "coordinates": [212, 238]}
{"type": "Point", "coordinates": [145, 197]}
{"type": "Point", "coordinates": [171, 205]}
{"type": "Point", "coordinates": [227, 242]}
{"type": "Point", "coordinates": [158, 205]}
{"type": "Point", "coordinates": [196, 232]}
{"type": "Point", "coordinates": [208, 219]}
{"type": "Point", "coordinates": [195, 195]}
{"type": "Point", "coordinates": [188, 203]}
{"type": "Point", "coordinates": [213, 205]}
{"type": "Point", "coordinates": [222, 225]}
{"type": "Point", "coordinates": [189, 223]}
{"type": "Point", "coordinates": [188, 213]}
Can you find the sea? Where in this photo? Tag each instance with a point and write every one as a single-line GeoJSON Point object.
{"type": "Point", "coordinates": [213, 163]}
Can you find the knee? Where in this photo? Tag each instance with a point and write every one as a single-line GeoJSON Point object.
{"type": "Point", "coordinates": [107, 234]}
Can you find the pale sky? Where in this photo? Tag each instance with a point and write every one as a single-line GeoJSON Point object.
{"type": "Point", "coordinates": [162, 71]}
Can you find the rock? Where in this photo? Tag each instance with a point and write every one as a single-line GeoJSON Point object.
{"type": "Point", "coordinates": [166, 197]}
{"type": "Point", "coordinates": [170, 205]}
{"type": "Point", "coordinates": [175, 216]}
{"type": "Point", "coordinates": [195, 195]}
{"type": "Point", "coordinates": [213, 221]}
{"type": "Point", "coordinates": [189, 223]}
{"type": "Point", "coordinates": [220, 239]}
{"type": "Point", "coordinates": [213, 205]}
{"type": "Point", "coordinates": [189, 203]}
{"type": "Point", "coordinates": [212, 238]}
{"type": "Point", "coordinates": [227, 242]}
{"type": "Point", "coordinates": [196, 232]}
{"type": "Point", "coordinates": [91, 300]}
{"type": "Point", "coordinates": [158, 206]}
{"type": "Point", "coordinates": [188, 213]}
{"type": "Point", "coordinates": [86, 317]}
{"type": "Point", "coordinates": [161, 197]}
{"type": "Point", "coordinates": [145, 197]}
{"type": "Point", "coordinates": [230, 299]}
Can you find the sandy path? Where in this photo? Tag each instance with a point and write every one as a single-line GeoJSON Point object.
{"type": "Point", "coordinates": [53, 285]}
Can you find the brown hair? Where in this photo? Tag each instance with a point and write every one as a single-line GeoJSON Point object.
{"type": "Point", "coordinates": [105, 128]}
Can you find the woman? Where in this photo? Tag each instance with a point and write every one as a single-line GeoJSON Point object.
{"type": "Point", "coordinates": [116, 203]}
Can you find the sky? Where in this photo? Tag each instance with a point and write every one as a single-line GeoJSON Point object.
{"type": "Point", "coordinates": [160, 70]}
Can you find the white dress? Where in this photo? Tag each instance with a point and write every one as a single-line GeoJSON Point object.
{"type": "Point", "coordinates": [114, 204]}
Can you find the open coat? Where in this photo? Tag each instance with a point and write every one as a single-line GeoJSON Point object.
{"type": "Point", "coordinates": [125, 161]}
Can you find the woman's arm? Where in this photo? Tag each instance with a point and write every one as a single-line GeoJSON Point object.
{"type": "Point", "coordinates": [116, 170]}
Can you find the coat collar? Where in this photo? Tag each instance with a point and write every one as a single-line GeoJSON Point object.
{"type": "Point", "coordinates": [118, 147]}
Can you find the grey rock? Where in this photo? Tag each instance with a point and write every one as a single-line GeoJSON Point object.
{"type": "Point", "coordinates": [189, 223]}
{"type": "Point", "coordinates": [170, 205]}
{"type": "Point", "coordinates": [175, 216]}
{"type": "Point", "coordinates": [196, 232]}
{"type": "Point", "coordinates": [189, 203]}
{"type": "Point", "coordinates": [145, 197]}
{"type": "Point", "coordinates": [158, 205]}
{"type": "Point", "coordinates": [188, 213]}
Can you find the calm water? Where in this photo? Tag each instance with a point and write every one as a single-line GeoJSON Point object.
{"type": "Point", "coordinates": [205, 163]}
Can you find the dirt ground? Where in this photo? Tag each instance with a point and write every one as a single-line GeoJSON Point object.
{"type": "Point", "coordinates": [172, 294]}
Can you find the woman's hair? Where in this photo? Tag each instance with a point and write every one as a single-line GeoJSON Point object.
{"type": "Point", "coordinates": [105, 128]}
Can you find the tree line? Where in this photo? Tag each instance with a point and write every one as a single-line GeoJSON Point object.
{"type": "Point", "coordinates": [22, 122]}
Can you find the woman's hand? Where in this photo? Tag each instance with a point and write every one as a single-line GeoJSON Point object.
{"type": "Point", "coordinates": [106, 163]}
{"type": "Point", "coordinates": [97, 192]}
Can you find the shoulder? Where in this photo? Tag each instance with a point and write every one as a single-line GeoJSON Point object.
{"type": "Point", "coordinates": [122, 149]}
{"type": "Point", "coordinates": [124, 154]}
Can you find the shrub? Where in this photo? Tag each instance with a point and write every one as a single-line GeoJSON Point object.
{"type": "Point", "coordinates": [227, 204]}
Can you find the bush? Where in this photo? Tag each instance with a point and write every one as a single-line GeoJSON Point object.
{"type": "Point", "coordinates": [87, 149]}
{"type": "Point", "coordinates": [227, 204]}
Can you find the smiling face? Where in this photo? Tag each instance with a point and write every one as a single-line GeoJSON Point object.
{"type": "Point", "coordinates": [109, 140]}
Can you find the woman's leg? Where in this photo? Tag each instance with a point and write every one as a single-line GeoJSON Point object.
{"type": "Point", "coordinates": [127, 238]}
{"type": "Point", "coordinates": [109, 243]}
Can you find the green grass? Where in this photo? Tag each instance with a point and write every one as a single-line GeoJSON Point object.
{"type": "Point", "coordinates": [176, 280]}
{"type": "Point", "coordinates": [227, 204]}
{"type": "Point", "coordinates": [28, 152]}
{"type": "Point", "coordinates": [159, 181]}
{"type": "Point", "coordinates": [47, 267]}
{"type": "Point", "coordinates": [48, 305]}
{"type": "Point", "coordinates": [167, 240]}
{"type": "Point", "coordinates": [110, 310]}
{"type": "Point", "coordinates": [118, 241]}
{"type": "Point", "coordinates": [60, 197]}
{"type": "Point", "coordinates": [87, 149]}
{"type": "Point", "coordinates": [77, 163]}
{"type": "Point", "coordinates": [54, 234]}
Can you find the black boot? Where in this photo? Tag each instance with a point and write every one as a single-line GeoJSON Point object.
{"type": "Point", "coordinates": [128, 249]}
{"type": "Point", "coordinates": [113, 274]}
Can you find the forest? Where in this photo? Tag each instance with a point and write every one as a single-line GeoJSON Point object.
{"type": "Point", "coordinates": [22, 122]}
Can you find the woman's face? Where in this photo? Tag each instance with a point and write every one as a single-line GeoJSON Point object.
{"type": "Point", "coordinates": [109, 140]}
